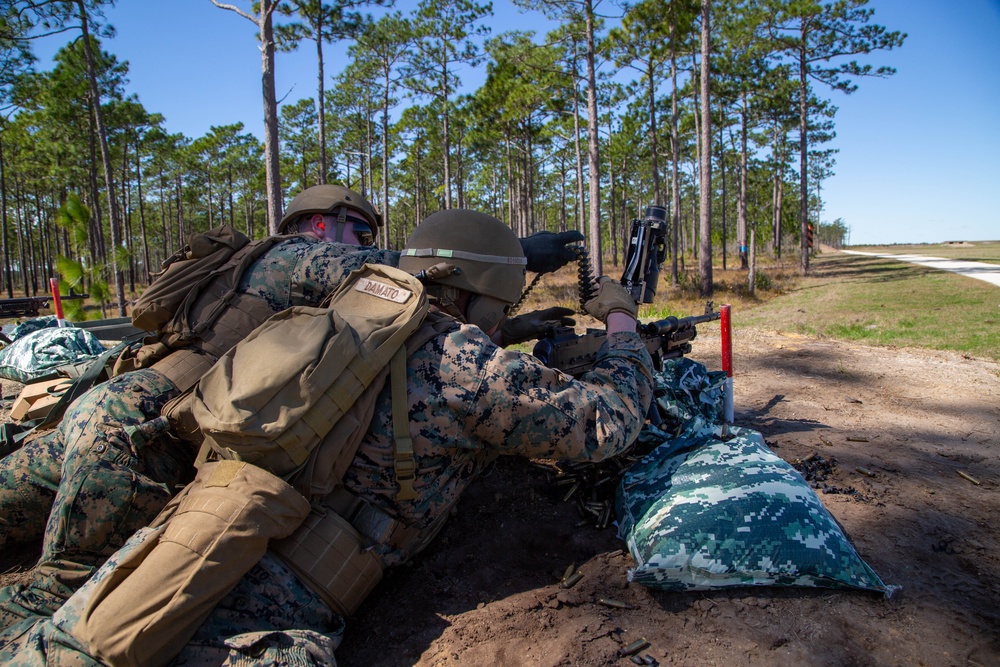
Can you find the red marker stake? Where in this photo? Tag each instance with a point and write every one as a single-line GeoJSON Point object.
{"type": "Point", "coordinates": [57, 300]}
{"type": "Point", "coordinates": [727, 360]}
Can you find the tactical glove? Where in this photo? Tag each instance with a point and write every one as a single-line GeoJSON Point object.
{"type": "Point", "coordinates": [534, 324]}
{"type": "Point", "coordinates": [548, 251]}
{"type": "Point", "coordinates": [611, 297]}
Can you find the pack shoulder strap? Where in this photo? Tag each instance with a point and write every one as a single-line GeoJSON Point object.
{"type": "Point", "coordinates": [404, 463]}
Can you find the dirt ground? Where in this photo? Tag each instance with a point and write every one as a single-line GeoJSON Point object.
{"type": "Point", "coordinates": [487, 592]}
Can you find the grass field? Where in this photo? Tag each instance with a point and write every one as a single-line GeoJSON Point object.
{"type": "Point", "coordinates": [884, 302]}
{"type": "Point", "coordinates": [971, 251]}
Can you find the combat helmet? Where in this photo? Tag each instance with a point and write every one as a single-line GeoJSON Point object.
{"type": "Point", "coordinates": [467, 250]}
{"type": "Point", "coordinates": [327, 199]}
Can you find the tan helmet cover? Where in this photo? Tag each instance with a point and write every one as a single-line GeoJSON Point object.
{"type": "Point", "coordinates": [487, 253]}
{"type": "Point", "coordinates": [325, 199]}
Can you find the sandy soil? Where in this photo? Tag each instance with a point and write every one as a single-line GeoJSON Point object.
{"type": "Point", "coordinates": [487, 592]}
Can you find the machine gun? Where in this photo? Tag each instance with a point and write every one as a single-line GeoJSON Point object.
{"type": "Point", "coordinates": [669, 338]}
{"type": "Point", "coordinates": [575, 354]}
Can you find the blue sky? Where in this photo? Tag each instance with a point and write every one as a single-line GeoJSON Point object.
{"type": "Point", "coordinates": [919, 158]}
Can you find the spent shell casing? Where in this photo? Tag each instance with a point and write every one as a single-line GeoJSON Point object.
{"type": "Point", "coordinates": [636, 660]}
{"type": "Point", "coordinates": [573, 489]}
{"type": "Point", "coordinates": [605, 517]}
{"type": "Point", "coordinates": [865, 471]}
{"type": "Point", "coordinates": [633, 648]}
{"type": "Point", "coordinates": [572, 580]}
{"type": "Point", "coordinates": [615, 604]}
{"type": "Point", "coordinates": [570, 569]}
{"type": "Point", "coordinates": [969, 477]}
{"type": "Point", "coordinates": [568, 479]}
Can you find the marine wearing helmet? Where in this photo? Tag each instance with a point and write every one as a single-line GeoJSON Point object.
{"type": "Point", "coordinates": [348, 213]}
{"type": "Point", "coordinates": [472, 263]}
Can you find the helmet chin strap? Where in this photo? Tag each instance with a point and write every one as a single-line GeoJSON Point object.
{"type": "Point", "coordinates": [341, 221]}
{"type": "Point", "coordinates": [445, 298]}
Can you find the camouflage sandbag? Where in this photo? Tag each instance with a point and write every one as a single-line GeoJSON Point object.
{"type": "Point", "coordinates": [701, 512]}
{"type": "Point", "coordinates": [32, 325]}
{"type": "Point", "coordinates": [687, 396]}
{"type": "Point", "coordinates": [39, 353]}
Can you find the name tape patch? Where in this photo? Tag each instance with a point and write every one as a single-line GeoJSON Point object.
{"type": "Point", "coordinates": [383, 290]}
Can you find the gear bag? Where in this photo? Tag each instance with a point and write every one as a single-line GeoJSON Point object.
{"type": "Point", "coordinates": [142, 610]}
{"type": "Point", "coordinates": [196, 288]}
{"type": "Point", "coordinates": [273, 398]}
{"type": "Point", "coordinates": [182, 273]}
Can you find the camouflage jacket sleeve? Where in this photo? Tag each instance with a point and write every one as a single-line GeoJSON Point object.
{"type": "Point", "coordinates": [324, 266]}
{"type": "Point", "coordinates": [525, 408]}
{"type": "Point", "coordinates": [302, 271]}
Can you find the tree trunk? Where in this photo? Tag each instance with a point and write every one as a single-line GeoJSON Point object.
{"type": "Point", "coordinates": [8, 282]}
{"type": "Point", "coordinates": [119, 278]}
{"type": "Point", "coordinates": [446, 137]}
{"type": "Point", "coordinates": [385, 161]}
{"type": "Point", "coordinates": [803, 153]}
{"type": "Point", "coordinates": [593, 138]}
{"type": "Point", "coordinates": [320, 100]}
{"type": "Point", "coordinates": [272, 163]}
{"type": "Point", "coordinates": [657, 199]}
{"type": "Point", "coordinates": [705, 256]}
{"type": "Point", "coordinates": [741, 220]}
{"type": "Point", "coordinates": [581, 199]}
{"type": "Point", "coordinates": [675, 194]}
{"type": "Point", "coordinates": [722, 171]}
{"type": "Point", "coordinates": [142, 218]}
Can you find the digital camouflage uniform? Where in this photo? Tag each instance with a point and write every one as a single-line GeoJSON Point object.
{"type": "Point", "coordinates": [85, 487]}
{"type": "Point", "coordinates": [469, 401]}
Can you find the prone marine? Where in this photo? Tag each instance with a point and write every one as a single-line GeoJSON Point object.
{"type": "Point", "coordinates": [467, 401]}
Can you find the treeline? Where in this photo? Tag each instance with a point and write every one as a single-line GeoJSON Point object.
{"type": "Point", "coordinates": [717, 110]}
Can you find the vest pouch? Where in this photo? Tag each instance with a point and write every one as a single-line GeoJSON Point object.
{"type": "Point", "coordinates": [218, 530]}
{"type": "Point", "coordinates": [328, 554]}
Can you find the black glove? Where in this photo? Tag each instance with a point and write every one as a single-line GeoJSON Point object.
{"type": "Point", "coordinates": [534, 324]}
{"type": "Point", "coordinates": [548, 251]}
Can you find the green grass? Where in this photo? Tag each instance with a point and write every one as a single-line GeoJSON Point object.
{"type": "Point", "coordinates": [879, 301]}
{"type": "Point", "coordinates": [972, 251]}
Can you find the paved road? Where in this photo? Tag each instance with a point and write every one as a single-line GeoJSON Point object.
{"type": "Point", "coordinates": [978, 270]}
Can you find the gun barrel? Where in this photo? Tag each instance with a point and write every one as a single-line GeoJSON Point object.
{"type": "Point", "coordinates": [671, 324]}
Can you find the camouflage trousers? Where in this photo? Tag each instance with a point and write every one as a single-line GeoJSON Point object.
{"type": "Point", "coordinates": [86, 486]}
{"type": "Point", "coordinates": [268, 620]}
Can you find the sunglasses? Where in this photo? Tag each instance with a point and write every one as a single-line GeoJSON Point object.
{"type": "Point", "coordinates": [362, 231]}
